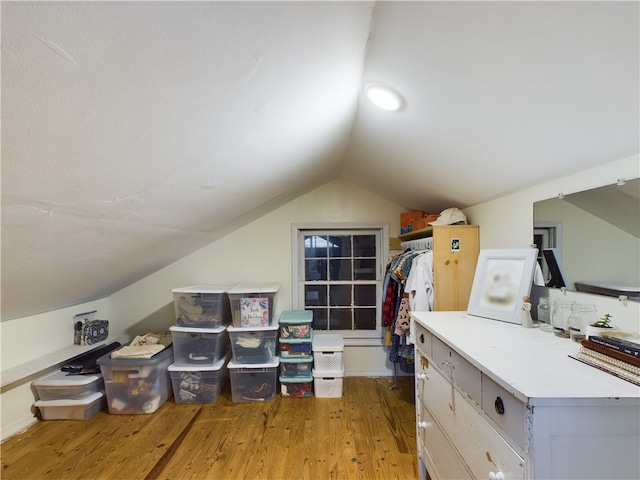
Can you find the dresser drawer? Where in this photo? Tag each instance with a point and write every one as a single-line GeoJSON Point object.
{"type": "Point", "coordinates": [507, 411]}
{"type": "Point", "coordinates": [436, 452]}
{"type": "Point", "coordinates": [476, 441]}
{"type": "Point", "coordinates": [465, 375]}
{"type": "Point", "coordinates": [423, 339]}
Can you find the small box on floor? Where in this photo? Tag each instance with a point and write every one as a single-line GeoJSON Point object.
{"type": "Point", "coordinates": [253, 383]}
{"type": "Point", "coordinates": [202, 306]}
{"type": "Point", "coordinates": [199, 384]}
{"type": "Point", "coordinates": [296, 386]}
{"type": "Point", "coordinates": [72, 409]}
{"type": "Point", "coordinates": [327, 384]}
{"type": "Point", "coordinates": [136, 385]}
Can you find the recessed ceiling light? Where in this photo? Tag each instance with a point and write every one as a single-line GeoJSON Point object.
{"type": "Point", "coordinates": [383, 97]}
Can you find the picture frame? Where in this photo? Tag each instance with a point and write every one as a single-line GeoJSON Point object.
{"type": "Point", "coordinates": [503, 277]}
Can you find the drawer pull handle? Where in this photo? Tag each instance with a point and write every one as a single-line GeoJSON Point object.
{"type": "Point", "coordinates": [496, 476]}
{"type": "Point", "coordinates": [421, 376]}
{"type": "Point", "coordinates": [422, 425]}
{"type": "Point", "coordinates": [499, 406]}
{"type": "Point", "coordinates": [422, 338]}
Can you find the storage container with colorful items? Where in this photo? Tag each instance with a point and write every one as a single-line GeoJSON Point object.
{"type": "Point", "coordinates": [296, 386]}
{"type": "Point", "coordinates": [253, 383]}
{"type": "Point", "coordinates": [199, 346]}
{"type": "Point", "coordinates": [295, 323]}
{"type": "Point", "coordinates": [295, 367]}
{"type": "Point", "coordinates": [72, 409]}
{"type": "Point", "coordinates": [296, 347]}
{"type": "Point", "coordinates": [136, 385]}
{"type": "Point", "coordinates": [202, 306]}
{"type": "Point", "coordinates": [252, 304]}
{"type": "Point", "coordinates": [253, 345]}
{"type": "Point", "coordinates": [194, 384]}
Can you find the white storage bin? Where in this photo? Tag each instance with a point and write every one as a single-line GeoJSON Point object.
{"type": "Point", "coordinates": [328, 385]}
{"type": "Point", "coordinates": [202, 306]}
{"type": "Point", "coordinates": [58, 385]}
{"type": "Point", "coordinates": [69, 409]}
{"type": "Point", "coordinates": [252, 304]}
{"type": "Point", "coordinates": [327, 352]}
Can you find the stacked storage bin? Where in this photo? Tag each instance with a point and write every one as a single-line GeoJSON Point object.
{"type": "Point", "coordinates": [328, 371]}
{"type": "Point", "coordinates": [69, 397]}
{"type": "Point", "coordinates": [254, 367]}
{"type": "Point", "coordinates": [296, 359]}
{"type": "Point", "coordinates": [200, 343]}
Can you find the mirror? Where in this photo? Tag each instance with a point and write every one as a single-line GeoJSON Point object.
{"type": "Point", "coordinates": [595, 238]}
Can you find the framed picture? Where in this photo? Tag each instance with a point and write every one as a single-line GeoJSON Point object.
{"type": "Point", "coordinates": [502, 279]}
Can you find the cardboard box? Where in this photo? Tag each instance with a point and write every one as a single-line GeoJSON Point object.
{"type": "Point", "coordinates": [408, 219]}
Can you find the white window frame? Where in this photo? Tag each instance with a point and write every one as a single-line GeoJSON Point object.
{"type": "Point", "coordinates": [298, 230]}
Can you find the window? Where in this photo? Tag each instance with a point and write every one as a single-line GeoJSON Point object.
{"type": "Point", "coordinates": [338, 271]}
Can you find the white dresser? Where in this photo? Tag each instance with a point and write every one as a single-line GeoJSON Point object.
{"type": "Point", "coordinates": [498, 401]}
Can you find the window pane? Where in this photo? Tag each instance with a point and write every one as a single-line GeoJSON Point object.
{"type": "Point", "coordinates": [340, 295]}
{"type": "Point", "coordinates": [315, 295]}
{"type": "Point", "coordinates": [364, 245]}
{"type": "Point", "coordinates": [315, 246]}
{"type": "Point", "coordinates": [340, 246]}
{"type": "Point", "coordinates": [340, 270]}
{"type": "Point", "coordinates": [364, 269]}
{"type": "Point", "coordinates": [341, 319]}
{"type": "Point", "coordinates": [365, 295]}
{"type": "Point", "coordinates": [365, 318]}
{"type": "Point", "coordinates": [320, 318]}
{"type": "Point", "coordinates": [315, 270]}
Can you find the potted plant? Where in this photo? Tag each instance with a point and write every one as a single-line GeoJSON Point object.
{"type": "Point", "coordinates": [602, 325]}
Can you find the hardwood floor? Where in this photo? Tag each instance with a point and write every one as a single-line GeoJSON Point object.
{"type": "Point", "coordinates": [369, 433]}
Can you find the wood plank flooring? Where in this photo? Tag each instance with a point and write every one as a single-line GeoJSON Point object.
{"type": "Point", "coordinates": [369, 433]}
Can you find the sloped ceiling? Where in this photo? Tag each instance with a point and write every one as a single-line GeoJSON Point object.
{"type": "Point", "coordinates": [134, 133]}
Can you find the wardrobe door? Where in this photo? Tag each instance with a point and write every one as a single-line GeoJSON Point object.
{"type": "Point", "coordinates": [455, 255]}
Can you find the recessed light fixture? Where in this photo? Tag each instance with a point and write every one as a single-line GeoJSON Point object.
{"type": "Point", "coordinates": [383, 97]}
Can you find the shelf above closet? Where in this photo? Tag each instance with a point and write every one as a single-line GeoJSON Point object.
{"type": "Point", "coordinates": [422, 233]}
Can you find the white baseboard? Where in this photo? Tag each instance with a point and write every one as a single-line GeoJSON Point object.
{"type": "Point", "coordinates": [17, 427]}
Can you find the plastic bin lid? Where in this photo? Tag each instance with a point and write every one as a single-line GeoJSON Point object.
{"type": "Point", "coordinates": [61, 379]}
{"type": "Point", "coordinates": [308, 359]}
{"type": "Point", "coordinates": [232, 329]}
{"type": "Point", "coordinates": [202, 289]}
{"type": "Point", "coordinates": [297, 340]}
{"type": "Point", "coordinates": [255, 288]}
{"type": "Point", "coordinates": [296, 316]}
{"type": "Point", "coordinates": [70, 402]}
{"type": "Point", "coordinates": [328, 374]}
{"type": "Point", "coordinates": [275, 363]}
{"type": "Point", "coordinates": [305, 379]}
{"type": "Point", "coordinates": [327, 342]}
{"type": "Point", "coordinates": [161, 356]}
{"type": "Point", "coordinates": [200, 368]}
{"type": "Point", "coordinates": [176, 328]}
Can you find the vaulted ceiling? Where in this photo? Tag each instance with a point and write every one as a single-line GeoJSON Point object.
{"type": "Point", "coordinates": [134, 133]}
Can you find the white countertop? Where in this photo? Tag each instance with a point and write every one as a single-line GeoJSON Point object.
{"type": "Point", "coordinates": [532, 364]}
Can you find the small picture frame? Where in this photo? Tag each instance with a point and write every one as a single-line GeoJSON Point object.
{"type": "Point", "coordinates": [503, 277]}
{"type": "Point", "coordinates": [455, 244]}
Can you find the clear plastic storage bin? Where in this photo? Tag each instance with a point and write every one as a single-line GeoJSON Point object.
{"type": "Point", "coordinates": [253, 345]}
{"type": "Point", "coordinates": [292, 367]}
{"type": "Point", "coordinates": [199, 346]}
{"type": "Point", "coordinates": [202, 306]}
{"type": "Point", "coordinates": [58, 385]}
{"type": "Point", "coordinates": [295, 323]}
{"type": "Point", "coordinates": [296, 347]}
{"type": "Point", "coordinates": [199, 384]}
{"type": "Point", "coordinates": [296, 387]}
{"type": "Point", "coordinates": [136, 385]}
{"type": "Point", "coordinates": [253, 383]}
{"type": "Point", "coordinates": [72, 409]}
{"type": "Point", "coordinates": [252, 304]}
